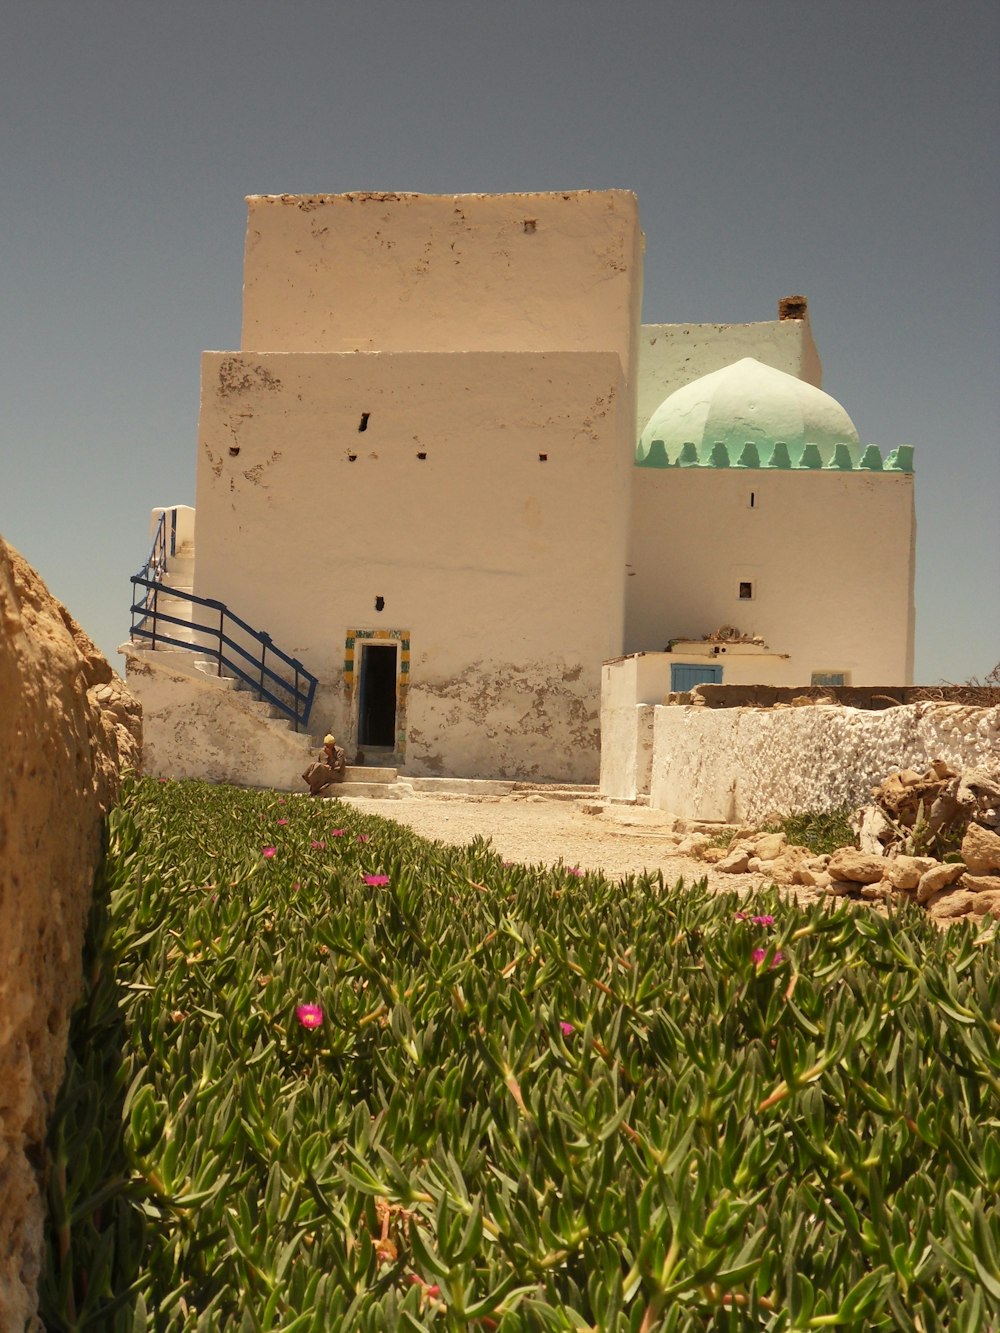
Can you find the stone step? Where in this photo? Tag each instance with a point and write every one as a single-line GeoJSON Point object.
{"type": "Point", "coordinates": [362, 773]}
{"type": "Point", "coordinates": [373, 791]}
{"type": "Point", "coordinates": [460, 786]}
{"type": "Point", "coordinates": [551, 788]}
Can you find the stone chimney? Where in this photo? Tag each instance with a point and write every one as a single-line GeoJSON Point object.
{"type": "Point", "coordinates": [793, 307]}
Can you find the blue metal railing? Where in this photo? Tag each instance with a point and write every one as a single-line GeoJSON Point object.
{"type": "Point", "coordinates": [289, 687]}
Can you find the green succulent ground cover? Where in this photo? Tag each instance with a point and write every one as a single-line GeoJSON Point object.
{"type": "Point", "coordinates": [532, 1100]}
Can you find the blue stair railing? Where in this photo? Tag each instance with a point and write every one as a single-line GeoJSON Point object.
{"type": "Point", "coordinates": [269, 673]}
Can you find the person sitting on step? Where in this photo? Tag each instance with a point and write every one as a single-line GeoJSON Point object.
{"type": "Point", "coordinates": [329, 767]}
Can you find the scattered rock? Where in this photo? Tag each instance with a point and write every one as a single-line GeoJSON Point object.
{"type": "Point", "coordinates": [949, 903]}
{"type": "Point", "coordinates": [904, 871]}
{"type": "Point", "coordinates": [862, 868]}
{"type": "Point", "coordinates": [981, 850]}
{"type": "Point", "coordinates": [980, 883]}
{"type": "Point", "coordinates": [937, 878]}
{"type": "Point", "coordinates": [736, 863]}
{"type": "Point", "coordinates": [770, 846]}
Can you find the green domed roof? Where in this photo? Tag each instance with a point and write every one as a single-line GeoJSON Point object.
{"type": "Point", "coordinates": [748, 403]}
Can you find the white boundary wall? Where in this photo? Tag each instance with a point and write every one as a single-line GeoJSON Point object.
{"type": "Point", "coordinates": [740, 764]}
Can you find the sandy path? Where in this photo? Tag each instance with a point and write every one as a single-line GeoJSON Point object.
{"type": "Point", "coordinates": [617, 841]}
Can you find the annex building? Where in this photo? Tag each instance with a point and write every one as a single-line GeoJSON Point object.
{"type": "Point", "coordinates": [450, 474]}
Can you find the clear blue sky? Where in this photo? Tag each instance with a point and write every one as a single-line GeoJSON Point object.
{"type": "Point", "coordinates": [845, 150]}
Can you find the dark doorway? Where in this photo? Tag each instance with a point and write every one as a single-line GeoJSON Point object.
{"type": "Point", "coordinates": [377, 695]}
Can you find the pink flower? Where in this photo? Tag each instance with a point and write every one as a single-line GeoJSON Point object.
{"type": "Point", "coordinates": [317, 846]}
{"type": "Point", "coordinates": [567, 1028]}
{"type": "Point", "coordinates": [431, 1288]}
{"type": "Point", "coordinates": [282, 821]}
{"type": "Point", "coordinates": [309, 1015]}
{"type": "Point", "coordinates": [295, 887]}
{"type": "Point", "coordinates": [337, 832]}
{"type": "Point", "coordinates": [376, 881]}
{"type": "Point", "coordinates": [758, 956]}
{"type": "Point", "coordinates": [363, 837]}
{"type": "Point", "coordinates": [741, 916]}
{"type": "Point", "coordinates": [762, 920]}
{"type": "Point", "coordinates": [281, 800]}
{"type": "Point", "coordinates": [574, 870]}
{"type": "Point", "coordinates": [268, 852]}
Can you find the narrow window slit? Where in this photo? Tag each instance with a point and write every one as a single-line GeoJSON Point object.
{"type": "Point", "coordinates": [753, 500]}
{"type": "Point", "coordinates": [363, 425]}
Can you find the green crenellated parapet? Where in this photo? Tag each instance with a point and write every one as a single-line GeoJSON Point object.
{"type": "Point", "coordinates": [654, 455]}
{"type": "Point", "coordinates": [841, 460]}
{"type": "Point", "coordinates": [749, 457]}
{"type": "Point", "coordinates": [901, 459]}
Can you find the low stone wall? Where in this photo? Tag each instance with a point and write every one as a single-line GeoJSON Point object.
{"type": "Point", "coordinates": [67, 728]}
{"type": "Point", "coordinates": [739, 764]}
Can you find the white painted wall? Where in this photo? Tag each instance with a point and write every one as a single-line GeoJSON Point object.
{"type": "Point", "coordinates": [416, 272]}
{"type": "Point", "coordinates": [506, 570]}
{"type": "Point", "coordinates": [672, 355]}
{"type": "Point", "coordinates": [740, 764]}
{"type": "Point", "coordinates": [829, 554]}
{"type": "Point", "coordinates": [630, 686]}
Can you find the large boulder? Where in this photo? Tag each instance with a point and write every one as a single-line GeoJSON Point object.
{"type": "Point", "coordinates": [68, 727]}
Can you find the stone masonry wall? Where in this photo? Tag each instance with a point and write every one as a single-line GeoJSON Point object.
{"type": "Point", "coordinates": [741, 764]}
{"type": "Point", "coordinates": [67, 728]}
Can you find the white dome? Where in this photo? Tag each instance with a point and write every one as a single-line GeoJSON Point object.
{"type": "Point", "coordinates": [749, 402]}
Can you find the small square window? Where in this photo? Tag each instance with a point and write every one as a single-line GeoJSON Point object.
{"type": "Point", "coordinates": [746, 592]}
{"type": "Point", "coordinates": [828, 678]}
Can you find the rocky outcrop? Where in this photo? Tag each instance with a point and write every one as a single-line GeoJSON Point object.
{"type": "Point", "coordinates": [68, 727]}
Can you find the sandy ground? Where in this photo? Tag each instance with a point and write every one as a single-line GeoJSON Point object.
{"type": "Point", "coordinates": [615, 840]}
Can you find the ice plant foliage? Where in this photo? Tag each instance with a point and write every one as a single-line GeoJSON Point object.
{"type": "Point", "coordinates": [308, 1106]}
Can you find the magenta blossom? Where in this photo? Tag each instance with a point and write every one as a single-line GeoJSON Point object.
{"type": "Point", "coordinates": [741, 916]}
{"type": "Point", "coordinates": [317, 846]}
{"type": "Point", "coordinates": [567, 1028]}
{"type": "Point", "coordinates": [268, 852]}
{"type": "Point", "coordinates": [759, 955]}
{"type": "Point", "coordinates": [376, 881]}
{"type": "Point", "coordinates": [295, 887]}
{"type": "Point", "coordinates": [762, 920]}
{"type": "Point", "coordinates": [309, 1015]}
{"type": "Point", "coordinates": [282, 821]}
{"type": "Point", "coordinates": [574, 870]}
{"type": "Point", "coordinates": [363, 837]}
{"type": "Point", "coordinates": [337, 832]}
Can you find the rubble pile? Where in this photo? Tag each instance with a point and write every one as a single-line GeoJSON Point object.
{"type": "Point", "coordinates": [931, 837]}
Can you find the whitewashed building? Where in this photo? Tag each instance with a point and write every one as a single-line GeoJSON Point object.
{"type": "Point", "coordinates": [420, 478]}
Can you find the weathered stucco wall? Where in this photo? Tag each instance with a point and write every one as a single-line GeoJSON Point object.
{"type": "Point", "coordinates": [196, 729]}
{"type": "Point", "coordinates": [441, 273]}
{"type": "Point", "coordinates": [740, 764]}
{"type": "Point", "coordinates": [672, 355]}
{"type": "Point", "coordinates": [829, 556]}
{"type": "Point", "coordinates": [485, 502]}
{"type": "Point", "coordinates": [67, 726]}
